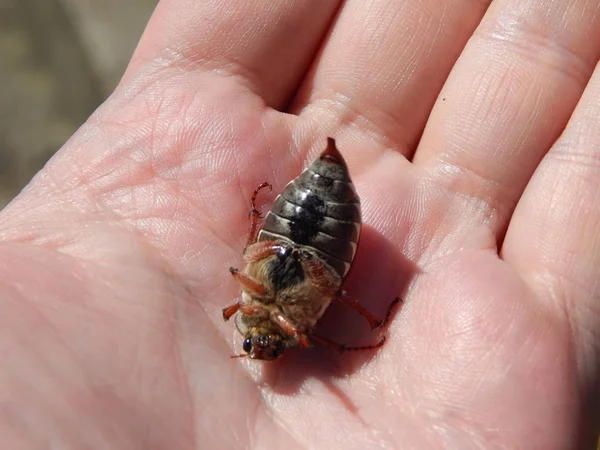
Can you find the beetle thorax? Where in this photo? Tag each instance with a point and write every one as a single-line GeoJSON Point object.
{"type": "Point", "coordinates": [298, 285]}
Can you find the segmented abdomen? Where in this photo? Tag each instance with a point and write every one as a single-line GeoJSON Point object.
{"type": "Point", "coordinates": [319, 209]}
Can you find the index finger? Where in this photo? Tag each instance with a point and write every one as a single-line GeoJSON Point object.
{"type": "Point", "coordinates": [266, 44]}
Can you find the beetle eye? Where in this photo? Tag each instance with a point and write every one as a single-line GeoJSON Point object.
{"type": "Point", "coordinates": [247, 345]}
{"type": "Point", "coordinates": [263, 341]}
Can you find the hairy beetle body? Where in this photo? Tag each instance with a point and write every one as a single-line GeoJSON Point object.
{"type": "Point", "coordinates": [296, 263]}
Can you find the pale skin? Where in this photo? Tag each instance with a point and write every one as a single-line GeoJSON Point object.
{"type": "Point", "coordinates": [473, 139]}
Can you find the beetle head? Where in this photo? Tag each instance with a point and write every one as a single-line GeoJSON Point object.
{"type": "Point", "coordinates": [263, 345]}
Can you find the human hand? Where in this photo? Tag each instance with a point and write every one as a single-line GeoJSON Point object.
{"type": "Point", "coordinates": [113, 261]}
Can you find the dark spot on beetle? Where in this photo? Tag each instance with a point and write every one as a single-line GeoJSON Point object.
{"type": "Point", "coordinates": [285, 270]}
{"type": "Point", "coordinates": [308, 220]}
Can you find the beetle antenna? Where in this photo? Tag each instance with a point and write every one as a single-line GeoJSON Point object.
{"type": "Point", "coordinates": [243, 355]}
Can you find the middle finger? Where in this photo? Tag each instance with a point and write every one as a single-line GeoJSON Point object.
{"type": "Point", "coordinates": [382, 66]}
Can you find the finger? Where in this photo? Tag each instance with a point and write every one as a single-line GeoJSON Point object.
{"type": "Point", "coordinates": [383, 66]}
{"type": "Point", "coordinates": [265, 44]}
{"type": "Point", "coordinates": [507, 100]}
{"type": "Point", "coordinates": [554, 236]}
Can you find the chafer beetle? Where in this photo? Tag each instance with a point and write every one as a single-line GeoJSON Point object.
{"type": "Point", "coordinates": [296, 263]}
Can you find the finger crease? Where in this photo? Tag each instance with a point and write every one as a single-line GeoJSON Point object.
{"type": "Point", "coordinates": [244, 76]}
{"type": "Point", "coordinates": [460, 180]}
{"type": "Point", "coordinates": [347, 114]}
{"type": "Point", "coordinates": [533, 43]}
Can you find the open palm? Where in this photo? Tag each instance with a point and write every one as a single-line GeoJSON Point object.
{"type": "Point", "coordinates": [113, 261]}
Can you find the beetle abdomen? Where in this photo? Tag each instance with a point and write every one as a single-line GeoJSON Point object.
{"type": "Point", "coordinates": [319, 209]}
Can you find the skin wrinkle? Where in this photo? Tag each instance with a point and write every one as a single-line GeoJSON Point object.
{"type": "Point", "coordinates": [528, 129]}
{"type": "Point", "coordinates": [557, 293]}
{"type": "Point", "coordinates": [148, 212]}
{"type": "Point", "coordinates": [335, 103]}
{"type": "Point", "coordinates": [567, 301]}
{"type": "Point", "coordinates": [566, 153]}
{"type": "Point", "coordinates": [589, 308]}
{"type": "Point", "coordinates": [532, 43]}
{"type": "Point", "coordinates": [152, 175]}
{"type": "Point", "coordinates": [373, 39]}
{"type": "Point", "coordinates": [237, 73]}
{"type": "Point", "coordinates": [437, 30]}
{"type": "Point", "coordinates": [489, 210]}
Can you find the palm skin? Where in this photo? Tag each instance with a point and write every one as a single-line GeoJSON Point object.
{"type": "Point", "coordinates": [114, 273]}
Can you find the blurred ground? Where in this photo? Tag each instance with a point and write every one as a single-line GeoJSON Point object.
{"type": "Point", "coordinates": [59, 59]}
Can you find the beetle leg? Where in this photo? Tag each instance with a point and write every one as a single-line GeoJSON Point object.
{"type": "Point", "coordinates": [374, 321]}
{"type": "Point", "coordinates": [290, 330]}
{"type": "Point", "coordinates": [254, 214]}
{"type": "Point", "coordinates": [230, 311]}
{"type": "Point", "coordinates": [247, 282]}
{"type": "Point", "coordinates": [346, 348]}
{"type": "Point", "coordinates": [248, 310]}
{"type": "Point", "coordinates": [260, 250]}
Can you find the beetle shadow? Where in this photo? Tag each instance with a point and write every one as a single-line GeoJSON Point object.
{"type": "Point", "coordinates": [379, 274]}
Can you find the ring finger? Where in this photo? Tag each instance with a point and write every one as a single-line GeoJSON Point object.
{"type": "Point", "coordinates": [506, 101]}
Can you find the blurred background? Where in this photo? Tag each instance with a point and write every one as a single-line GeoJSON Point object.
{"type": "Point", "coordinates": [59, 59]}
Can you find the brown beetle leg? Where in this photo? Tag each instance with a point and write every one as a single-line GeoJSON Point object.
{"type": "Point", "coordinates": [346, 348]}
{"type": "Point", "coordinates": [374, 321]}
{"type": "Point", "coordinates": [248, 282]}
{"type": "Point", "coordinates": [248, 310]}
{"type": "Point", "coordinates": [261, 250]}
{"type": "Point", "coordinates": [290, 330]}
{"type": "Point", "coordinates": [230, 311]}
{"type": "Point", "coordinates": [255, 213]}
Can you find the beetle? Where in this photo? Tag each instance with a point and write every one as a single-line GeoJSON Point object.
{"type": "Point", "coordinates": [296, 263]}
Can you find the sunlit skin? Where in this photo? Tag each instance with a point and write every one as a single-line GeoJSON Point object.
{"type": "Point", "coordinates": [472, 139]}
